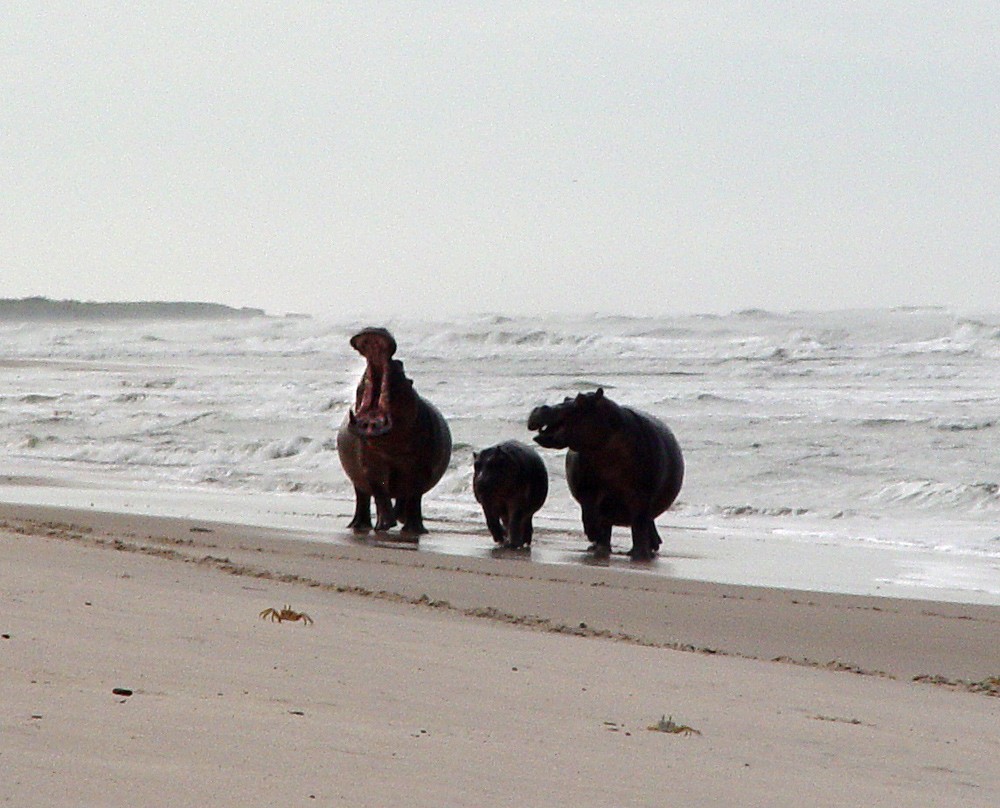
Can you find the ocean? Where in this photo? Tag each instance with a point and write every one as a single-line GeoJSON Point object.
{"type": "Point", "coordinates": [867, 431]}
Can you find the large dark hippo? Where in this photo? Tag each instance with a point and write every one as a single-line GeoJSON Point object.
{"type": "Point", "coordinates": [623, 466]}
{"type": "Point", "coordinates": [393, 445]}
{"type": "Point", "coordinates": [511, 483]}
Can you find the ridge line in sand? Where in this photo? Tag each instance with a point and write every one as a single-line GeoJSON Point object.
{"type": "Point", "coordinates": [241, 559]}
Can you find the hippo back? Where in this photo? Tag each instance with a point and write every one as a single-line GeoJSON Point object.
{"type": "Point", "coordinates": [653, 462]}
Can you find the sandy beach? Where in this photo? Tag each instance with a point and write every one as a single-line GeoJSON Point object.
{"type": "Point", "coordinates": [431, 679]}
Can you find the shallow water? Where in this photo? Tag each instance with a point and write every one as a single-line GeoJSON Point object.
{"type": "Point", "coordinates": [844, 429]}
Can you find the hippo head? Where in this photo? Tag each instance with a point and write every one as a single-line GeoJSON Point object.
{"type": "Point", "coordinates": [490, 466]}
{"type": "Point", "coordinates": [578, 423]}
{"type": "Point", "coordinates": [372, 414]}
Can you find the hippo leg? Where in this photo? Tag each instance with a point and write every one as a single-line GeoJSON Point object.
{"type": "Point", "coordinates": [495, 526]}
{"type": "Point", "coordinates": [598, 530]}
{"type": "Point", "coordinates": [520, 529]}
{"type": "Point", "coordinates": [527, 529]}
{"type": "Point", "coordinates": [645, 540]}
{"type": "Point", "coordinates": [362, 521]}
{"type": "Point", "coordinates": [386, 513]}
{"type": "Point", "coordinates": [411, 515]}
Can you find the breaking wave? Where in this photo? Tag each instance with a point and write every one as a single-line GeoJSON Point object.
{"type": "Point", "coordinates": [932, 494]}
{"type": "Point", "coordinates": [812, 417]}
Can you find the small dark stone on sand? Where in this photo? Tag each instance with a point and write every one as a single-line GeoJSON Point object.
{"type": "Point", "coordinates": [122, 691]}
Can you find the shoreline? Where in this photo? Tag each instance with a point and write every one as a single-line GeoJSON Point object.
{"type": "Point", "coordinates": [906, 639]}
{"type": "Point", "coordinates": [784, 556]}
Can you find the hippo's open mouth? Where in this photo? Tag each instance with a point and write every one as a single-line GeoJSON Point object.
{"type": "Point", "coordinates": [548, 422]}
{"type": "Point", "coordinates": [372, 415]}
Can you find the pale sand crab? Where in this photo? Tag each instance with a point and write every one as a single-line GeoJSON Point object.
{"type": "Point", "coordinates": [286, 613]}
{"type": "Point", "coordinates": [667, 725]}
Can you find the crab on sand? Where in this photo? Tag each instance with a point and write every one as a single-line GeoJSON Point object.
{"type": "Point", "coordinates": [285, 613]}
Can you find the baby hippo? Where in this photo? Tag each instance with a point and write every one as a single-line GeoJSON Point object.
{"type": "Point", "coordinates": [511, 484]}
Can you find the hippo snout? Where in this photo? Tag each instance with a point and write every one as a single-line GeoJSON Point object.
{"type": "Point", "coordinates": [548, 422]}
{"type": "Point", "coordinates": [539, 417]}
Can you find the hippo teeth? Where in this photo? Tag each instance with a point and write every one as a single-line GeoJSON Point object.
{"type": "Point", "coordinates": [370, 425]}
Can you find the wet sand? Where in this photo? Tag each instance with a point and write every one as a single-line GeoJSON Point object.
{"type": "Point", "coordinates": [432, 679]}
{"type": "Point", "coordinates": [740, 555]}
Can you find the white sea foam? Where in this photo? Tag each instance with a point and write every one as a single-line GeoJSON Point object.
{"type": "Point", "coordinates": [818, 419]}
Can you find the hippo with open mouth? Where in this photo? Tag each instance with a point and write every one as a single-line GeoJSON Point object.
{"type": "Point", "coordinates": [393, 445]}
{"type": "Point", "coordinates": [623, 466]}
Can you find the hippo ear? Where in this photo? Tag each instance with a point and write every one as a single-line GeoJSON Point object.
{"type": "Point", "coordinates": [599, 394]}
{"type": "Point", "coordinates": [475, 457]}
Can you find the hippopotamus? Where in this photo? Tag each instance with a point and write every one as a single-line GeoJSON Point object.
{"type": "Point", "coordinates": [511, 483]}
{"type": "Point", "coordinates": [393, 445]}
{"type": "Point", "coordinates": [623, 466]}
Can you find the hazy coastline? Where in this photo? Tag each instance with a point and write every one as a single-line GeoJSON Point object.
{"type": "Point", "coordinates": [42, 309]}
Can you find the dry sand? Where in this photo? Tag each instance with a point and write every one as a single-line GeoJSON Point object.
{"type": "Point", "coordinates": [441, 680]}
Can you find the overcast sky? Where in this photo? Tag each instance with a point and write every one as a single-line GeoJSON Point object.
{"type": "Point", "coordinates": [410, 158]}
